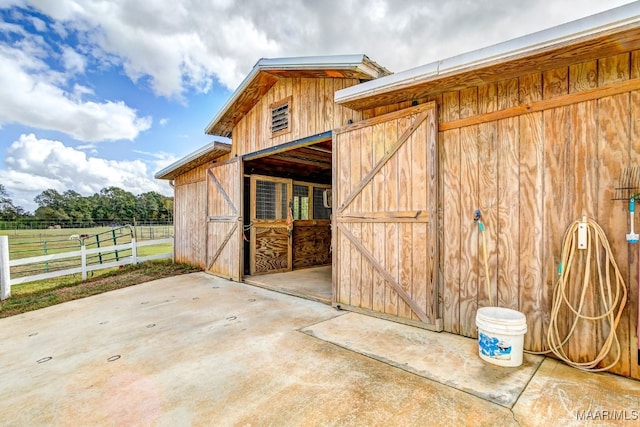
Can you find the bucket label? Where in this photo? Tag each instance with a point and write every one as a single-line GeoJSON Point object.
{"type": "Point", "coordinates": [494, 347]}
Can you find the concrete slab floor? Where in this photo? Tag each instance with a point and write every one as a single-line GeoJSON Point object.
{"type": "Point", "coordinates": [198, 350]}
{"type": "Point", "coordinates": [445, 358]}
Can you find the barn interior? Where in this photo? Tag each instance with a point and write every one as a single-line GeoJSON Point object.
{"type": "Point", "coordinates": [287, 218]}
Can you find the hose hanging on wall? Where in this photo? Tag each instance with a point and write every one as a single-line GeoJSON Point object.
{"type": "Point", "coordinates": [610, 298]}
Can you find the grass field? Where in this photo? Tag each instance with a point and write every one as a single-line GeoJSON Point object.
{"type": "Point", "coordinates": [30, 243]}
{"type": "Point", "coordinates": [43, 293]}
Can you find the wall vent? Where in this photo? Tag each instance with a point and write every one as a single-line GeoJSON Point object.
{"type": "Point", "coordinates": [280, 117]}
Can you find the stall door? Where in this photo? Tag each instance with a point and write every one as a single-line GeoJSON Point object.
{"type": "Point", "coordinates": [385, 216]}
{"type": "Point", "coordinates": [224, 219]}
{"type": "Point", "coordinates": [271, 225]}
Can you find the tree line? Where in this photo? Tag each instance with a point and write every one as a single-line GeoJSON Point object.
{"type": "Point", "coordinates": [110, 204]}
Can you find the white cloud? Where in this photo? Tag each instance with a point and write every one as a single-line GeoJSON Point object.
{"type": "Point", "coordinates": [163, 121]}
{"type": "Point", "coordinates": [186, 44]}
{"type": "Point", "coordinates": [34, 165]}
{"type": "Point", "coordinates": [73, 61]}
{"type": "Point", "coordinates": [31, 95]}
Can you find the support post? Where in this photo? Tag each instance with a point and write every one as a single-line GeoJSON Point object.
{"type": "Point", "coordinates": [5, 277]}
{"type": "Point", "coordinates": [83, 260]}
{"type": "Point", "coordinates": [134, 251]}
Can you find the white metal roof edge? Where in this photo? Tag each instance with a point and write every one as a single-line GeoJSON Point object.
{"type": "Point", "coordinates": [215, 145]}
{"type": "Point", "coordinates": [603, 21]}
{"type": "Point", "coordinates": [357, 61]}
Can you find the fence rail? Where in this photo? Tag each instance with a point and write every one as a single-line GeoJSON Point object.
{"type": "Point", "coordinates": [5, 264]}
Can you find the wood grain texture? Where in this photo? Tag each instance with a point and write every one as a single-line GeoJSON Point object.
{"type": "Point", "coordinates": [469, 191]}
{"type": "Point", "coordinates": [451, 218]}
{"type": "Point", "coordinates": [634, 280]}
{"type": "Point", "coordinates": [224, 236]}
{"type": "Point", "coordinates": [190, 209]}
{"type": "Point", "coordinates": [583, 191]}
{"type": "Point", "coordinates": [311, 245]}
{"type": "Point", "coordinates": [613, 154]}
{"type": "Point", "coordinates": [390, 172]}
{"type": "Point", "coordinates": [311, 111]}
{"type": "Point", "coordinates": [272, 245]}
{"type": "Point", "coordinates": [388, 209]}
{"type": "Point", "coordinates": [488, 172]}
{"type": "Point", "coordinates": [366, 205]}
{"type": "Point", "coordinates": [378, 203]}
{"type": "Point", "coordinates": [355, 177]}
{"type": "Point", "coordinates": [508, 217]}
{"type": "Point", "coordinates": [542, 169]}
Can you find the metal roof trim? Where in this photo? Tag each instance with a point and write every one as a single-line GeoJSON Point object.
{"type": "Point", "coordinates": [528, 44]}
{"type": "Point", "coordinates": [209, 148]}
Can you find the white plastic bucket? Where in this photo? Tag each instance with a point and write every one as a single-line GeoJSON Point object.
{"type": "Point", "coordinates": [501, 335]}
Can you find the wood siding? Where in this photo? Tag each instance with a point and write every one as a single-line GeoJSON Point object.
{"type": "Point", "coordinates": [311, 112]}
{"type": "Point", "coordinates": [385, 199]}
{"type": "Point", "coordinates": [189, 212]}
{"type": "Point", "coordinates": [534, 153]}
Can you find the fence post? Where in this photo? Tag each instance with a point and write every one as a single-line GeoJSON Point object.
{"type": "Point", "coordinates": [83, 260]}
{"type": "Point", "coordinates": [134, 250]}
{"type": "Point", "coordinates": [5, 277]}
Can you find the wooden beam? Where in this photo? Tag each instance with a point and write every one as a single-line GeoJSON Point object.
{"type": "Point", "coordinates": [385, 274]}
{"type": "Point", "coordinates": [218, 218]}
{"type": "Point", "coordinates": [387, 117]}
{"type": "Point", "coordinates": [320, 149]}
{"type": "Point", "coordinates": [402, 216]}
{"type": "Point", "coordinates": [547, 104]}
{"type": "Point", "coordinates": [298, 160]}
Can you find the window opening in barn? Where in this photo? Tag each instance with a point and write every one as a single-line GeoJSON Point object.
{"type": "Point", "coordinates": [319, 211]}
{"type": "Point", "coordinates": [280, 116]}
{"type": "Point", "coordinates": [265, 200]}
{"type": "Point", "coordinates": [271, 200]}
{"type": "Point", "coordinates": [300, 202]}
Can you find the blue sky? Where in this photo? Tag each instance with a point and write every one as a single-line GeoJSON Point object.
{"type": "Point", "coordinates": [96, 93]}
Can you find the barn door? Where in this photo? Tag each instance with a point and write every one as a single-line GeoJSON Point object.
{"type": "Point", "coordinates": [224, 219]}
{"type": "Point", "coordinates": [385, 216]}
{"type": "Point", "coordinates": [271, 225]}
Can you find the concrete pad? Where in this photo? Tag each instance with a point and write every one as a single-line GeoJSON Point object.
{"type": "Point", "coordinates": [310, 283]}
{"type": "Point", "coordinates": [198, 350]}
{"type": "Point", "coordinates": [448, 359]}
{"type": "Point", "coordinates": [561, 395]}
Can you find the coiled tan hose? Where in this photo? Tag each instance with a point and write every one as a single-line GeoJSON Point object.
{"type": "Point", "coordinates": [596, 240]}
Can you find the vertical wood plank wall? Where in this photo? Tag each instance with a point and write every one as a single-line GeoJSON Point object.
{"type": "Point", "coordinates": [311, 111]}
{"type": "Point", "coordinates": [189, 213]}
{"type": "Point", "coordinates": [532, 175]}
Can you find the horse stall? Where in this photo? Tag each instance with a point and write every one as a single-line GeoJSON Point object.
{"type": "Point", "coordinates": [535, 133]}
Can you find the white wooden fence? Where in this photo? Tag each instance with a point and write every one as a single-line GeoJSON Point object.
{"type": "Point", "coordinates": [5, 264]}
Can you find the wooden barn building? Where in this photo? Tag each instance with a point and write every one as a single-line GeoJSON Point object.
{"type": "Point", "coordinates": [534, 132]}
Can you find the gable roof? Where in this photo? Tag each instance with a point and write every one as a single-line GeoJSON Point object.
{"type": "Point", "coordinates": [202, 155]}
{"type": "Point", "coordinates": [268, 71]}
{"type": "Point", "coordinates": [604, 34]}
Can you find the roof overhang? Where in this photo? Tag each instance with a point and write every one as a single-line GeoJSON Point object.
{"type": "Point", "coordinates": [604, 34]}
{"type": "Point", "coordinates": [206, 154]}
{"type": "Point", "coordinates": [268, 71]}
